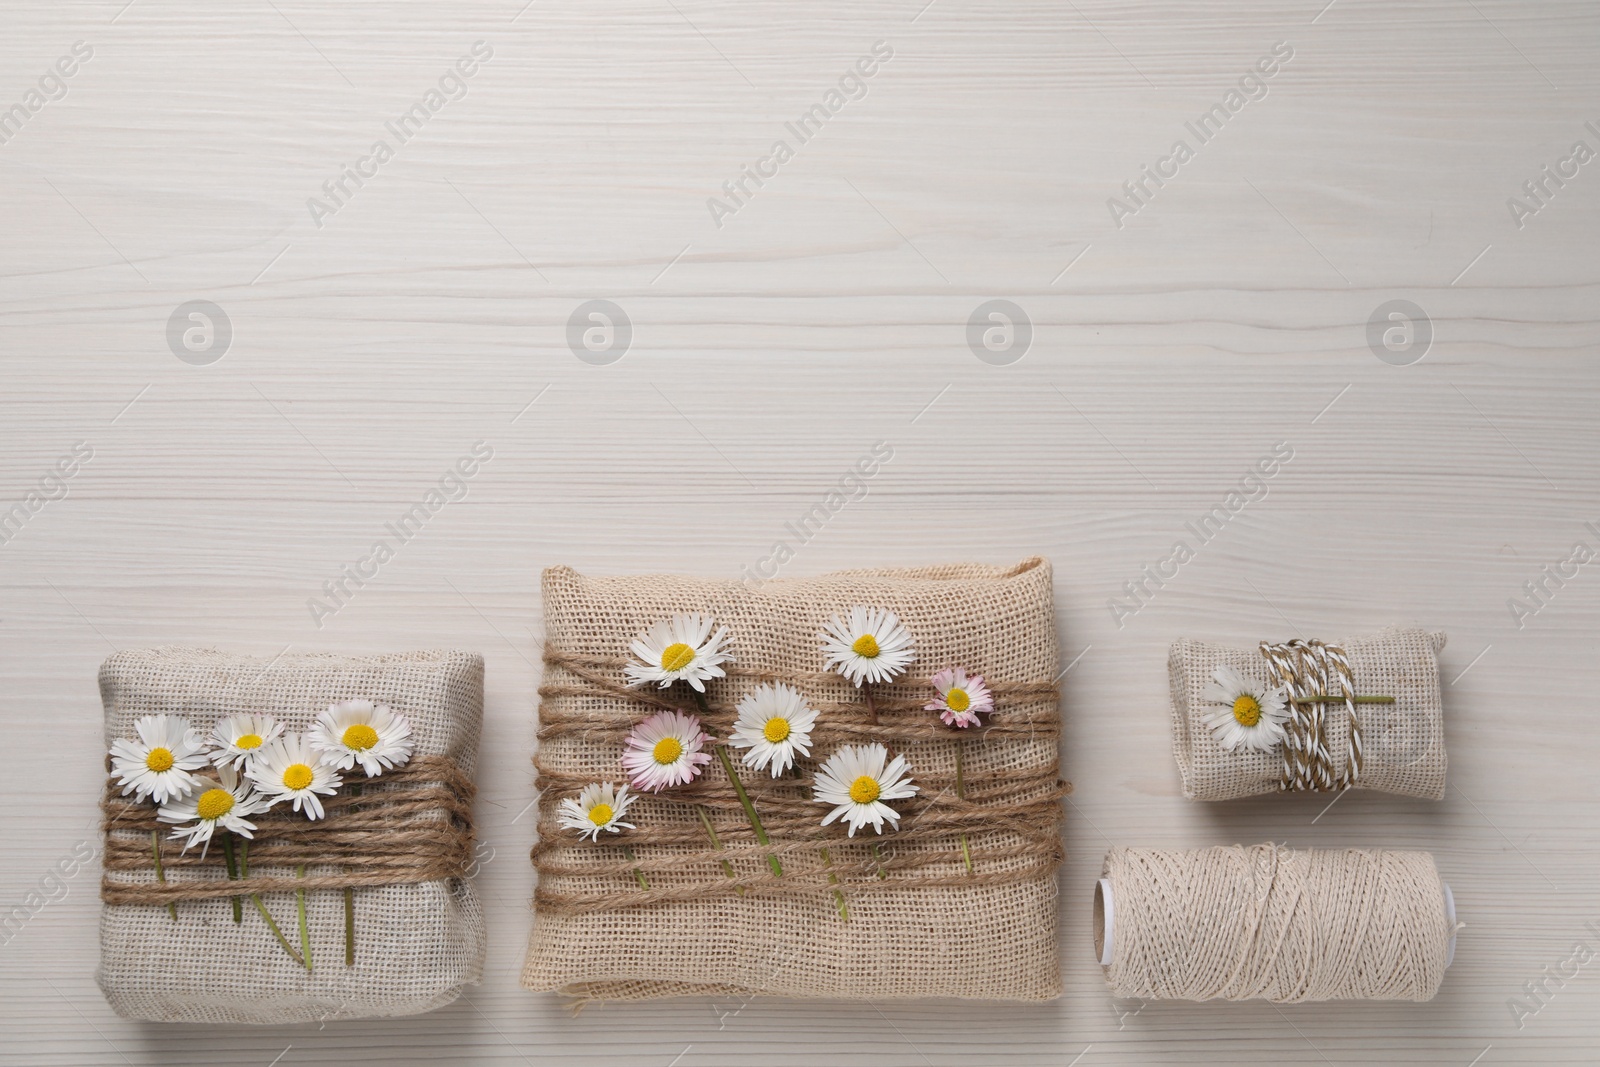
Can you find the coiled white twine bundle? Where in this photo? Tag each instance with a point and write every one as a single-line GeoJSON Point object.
{"type": "Point", "coordinates": [1270, 923]}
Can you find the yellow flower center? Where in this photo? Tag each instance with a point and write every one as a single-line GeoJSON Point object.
{"type": "Point", "coordinates": [1247, 710]}
{"type": "Point", "coordinates": [160, 759]}
{"type": "Point", "coordinates": [776, 730]}
{"type": "Point", "coordinates": [676, 657]}
{"type": "Point", "coordinates": [297, 776]}
{"type": "Point", "coordinates": [600, 814]}
{"type": "Point", "coordinates": [667, 750]}
{"type": "Point", "coordinates": [214, 804]}
{"type": "Point", "coordinates": [957, 700]}
{"type": "Point", "coordinates": [247, 741]}
{"type": "Point", "coordinates": [866, 646]}
{"type": "Point", "coordinates": [865, 790]}
{"type": "Point", "coordinates": [360, 737]}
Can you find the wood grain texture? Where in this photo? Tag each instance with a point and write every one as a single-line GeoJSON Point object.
{"type": "Point", "coordinates": [429, 312]}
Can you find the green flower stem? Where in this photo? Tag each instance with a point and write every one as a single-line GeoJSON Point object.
{"type": "Point", "coordinates": [738, 787]}
{"type": "Point", "coordinates": [833, 880]}
{"type": "Point", "coordinates": [749, 809]}
{"type": "Point", "coordinates": [711, 832]}
{"type": "Point", "coordinates": [284, 941]}
{"type": "Point", "coordinates": [644, 883]}
{"type": "Point", "coordinates": [883, 875]}
{"type": "Point", "coordinates": [1340, 700]}
{"type": "Point", "coordinates": [300, 910]}
{"type": "Point", "coordinates": [961, 793]}
{"type": "Point", "coordinates": [255, 898]}
{"type": "Point", "coordinates": [349, 927]}
{"type": "Point", "coordinates": [350, 907]}
{"type": "Point", "coordinates": [161, 875]}
{"type": "Point", "coordinates": [233, 875]}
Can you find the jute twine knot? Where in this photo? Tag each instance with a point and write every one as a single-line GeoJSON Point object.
{"type": "Point", "coordinates": [1269, 923]}
{"type": "Point", "coordinates": [413, 824]}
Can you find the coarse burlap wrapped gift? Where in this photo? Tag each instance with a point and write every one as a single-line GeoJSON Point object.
{"type": "Point", "coordinates": [1401, 744]}
{"type": "Point", "coordinates": [416, 945]}
{"type": "Point", "coordinates": [919, 924]}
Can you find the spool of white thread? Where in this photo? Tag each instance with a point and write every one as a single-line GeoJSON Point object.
{"type": "Point", "coordinates": [1105, 915]}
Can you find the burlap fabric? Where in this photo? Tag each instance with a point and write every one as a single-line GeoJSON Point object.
{"type": "Point", "coordinates": [416, 945]}
{"type": "Point", "coordinates": [1403, 743]}
{"type": "Point", "coordinates": [919, 924]}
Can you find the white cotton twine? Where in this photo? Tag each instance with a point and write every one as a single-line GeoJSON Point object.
{"type": "Point", "coordinates": [1270, 923]}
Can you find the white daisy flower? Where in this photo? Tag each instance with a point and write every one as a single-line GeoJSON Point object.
{"type": "Point", "coordinates": [871, 647]}
{"type": "Point", "coordinates": [1255, 714]}
{"type": "Point", "coordinates": [962, 697]}
{"type": "Point", "coordinates": [599, 807]}
{"type": "Point", "coordinates": [359, 731]}
{"type": "Point", "coordinates": [665, 750]}
{"type": "Point", "coordinates": [215, 805]}
{"type": "Point", "coordinates": [289, 769]}
{"type": "Point", "coordinates": [236, 739]}
{"type": "Point", "coordinates": [680, 649]}
{"type": "Point", "coordinates": [774, 723]}
{"type": "Point", "coordinates": [857, 782]}
{"type": "Point", "coordinates": [158, 765]}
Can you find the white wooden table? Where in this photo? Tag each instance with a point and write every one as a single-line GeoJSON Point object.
{"type": "Point", "coordinates": [1174, 341]}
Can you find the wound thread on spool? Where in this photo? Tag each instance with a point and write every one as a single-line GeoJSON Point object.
{"type": "Point", "coordinates": [1264, 922]}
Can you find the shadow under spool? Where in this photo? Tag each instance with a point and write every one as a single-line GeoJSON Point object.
{"type": "Point", "coordinates": [1103, 924]}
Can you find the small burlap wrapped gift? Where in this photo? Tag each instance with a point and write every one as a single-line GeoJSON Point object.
{"type": "Point", "coordinates": [920, 925]}
{"type": "Point", "coordinates": [417, 942]}
{"type": "Point", "coordinates": [1400, 745]}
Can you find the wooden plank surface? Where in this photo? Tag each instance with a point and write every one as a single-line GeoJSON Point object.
{"type": "Point", "coordinates": [1174, 340]}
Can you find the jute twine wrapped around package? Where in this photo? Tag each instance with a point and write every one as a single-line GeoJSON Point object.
{"type": "Point", "coordinates": [403, 846]}
{"type": "Point", "coordinates": [920, 925]}
{"type": "Point", "coordinates": [1397, 747]}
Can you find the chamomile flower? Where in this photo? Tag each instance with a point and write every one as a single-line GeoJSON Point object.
{"type": "Point", "coordinates": [774, 723]}
{"type": "Point", "coordinates": [220, 803]}
{"type": "Point", "coordinates": [962, 697]}
{"type": "Point", "coordinates": [359, 731]}
{"type": "Point", "coordinates": [680, 649]}
{"type": "Point", "coordinates": [158, 765]}
{"type": "Point", "coordinates": [665, 750]}
{"type": "Point", "coordinates": [600, 806]}
{"type": "Point", "coordinates": [1254, 717]}
{"type": "Point", "coordinates": [290, 769]}
{"type": "Point", "coordinates": [236, 739]}
{"type": "Point", "coordinates": [856, 780]}
{"type": "Point", "coordinates": [871, 647]}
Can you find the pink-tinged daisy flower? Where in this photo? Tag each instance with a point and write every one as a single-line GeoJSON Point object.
{"type": "Point", "coordinates": [665, 751]}
{"type": "Point", "coordinates": [856, 781]}
{"type": "Point", "coordinates": [962, 697]}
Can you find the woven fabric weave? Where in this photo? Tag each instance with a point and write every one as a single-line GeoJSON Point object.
{"type": "Point", "coordinates": [417, 945]}
{"type": "Point", "coordinates": [1403, 743]}
{"type": "Point", "coordinates": [938, 933]}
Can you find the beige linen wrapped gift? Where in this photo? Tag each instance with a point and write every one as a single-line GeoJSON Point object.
{"type": "Point", "coordinates": [718, 921]}
{"type": "Point", "coordinates": [1398, 716]}
{"type": "Point", "coordinates": [419, 933]}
